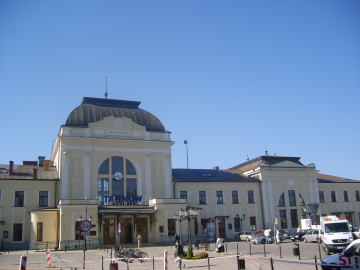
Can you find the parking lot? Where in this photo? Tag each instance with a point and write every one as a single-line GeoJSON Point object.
{"type": "Point", "coordinates": [257, 256]}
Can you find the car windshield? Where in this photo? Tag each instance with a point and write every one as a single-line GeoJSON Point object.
{"type": "Point", "coordinates": [336, 227]}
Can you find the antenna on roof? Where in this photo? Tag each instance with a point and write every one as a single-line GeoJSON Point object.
{"type": "Point", "coordinates": [106, 94]}
{"type": "Point", "coordinates": [247, 156]}
{"type": "Point", "coordinates": [266, 151]}
{"type": "Point", "coordinates": [187, 154]}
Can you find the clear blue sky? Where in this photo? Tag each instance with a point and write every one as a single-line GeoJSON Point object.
{"type": "Point", "coordinates": [229, 76]}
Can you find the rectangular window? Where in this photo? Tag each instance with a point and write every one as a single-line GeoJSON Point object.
{"type": "Point", "coordinates": [219, 197]}
{"type": "Point", "coordinates": [196, 225]}
{"type": "Point", "coordinates": [282, 200]}
{"type": "Point", "coordinates": [349, 217]}
{"type": "Point", "coordinates": [202, 197]}
{"type": "Point", "coordinates": [19, 198]}
{"type": "Point", "coordinates": [283, 220]}
{"type": "Point", "coordinates": [333, 196]}
{"type": "Point", "coordinates": [171, 227]}
{"type": "Point", "coordinates": [183, 195]}
{"type": "Point", "coordinates": [346, 196]}
{"type": "Point", "coordinates": [103, 190]}
{"type": "Point", "coordinates": [357, 196]}
{"type": "Point", "coordinates": [234, 197]}
{"type": "Point", "coordinates": [321, 196]}
{"type": "Point", "coordinates": [294, 218]}
{"type": "Point", "coordinates": [250, 196]}
{"type": "Point", "coordinates": [292, 200]}
{"type": "Point", "coordinates": [17, 232]}
{"type": "Point", "coordinates": [236, 224]}
{"type": "Point", "coordinates": [78, 235]}
{"type": "Point", "coordinates": [203, 224]}
{"type": "Point", "coordinates": [43, 198]}
{"type": "Point", "coordinates": [253, 223]}
{"type": "Point", "coordinates": [131, 189]}
{"type": "Point", "coordinates": [39, 231]}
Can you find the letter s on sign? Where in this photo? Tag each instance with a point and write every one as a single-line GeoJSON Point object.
{"type": "Point", "coordinates": [341, 258]}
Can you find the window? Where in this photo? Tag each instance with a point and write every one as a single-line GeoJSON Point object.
{"type": "Point", "coordinates": [171, 227]}
{"type": "Point", "coordinates": [123, 184]}
{"type": "Point", "coordinates": [202, 197]}
{"type": "Point", "coordinates": [203, 224]}
{"type": "Point", "coordinates": [349, 217]}
{"type": "Point", "coordinates": [43, 198]}
{"type": "Point", "coordinates": [78, 235]}
{"type": "Point", "coordinates": [292, 200]}
{"type": "Point", "coordinates": [301, 200]}
{"type": "Point", "coordinates": [234, 197]}
{"type": "Point", "coordinates": [346, 196]}
{"type": "Point", "coordinates": [357, 196]}
{"type": "Point", "coordinates": [183, 195]}
{"type": "Point", "coordinates": [196, 225]}
{"type": "Point", "coordinates": [333, 196]}
{"type": "Point", "coordinates": [283, 220]}
{"type": "Point", "coordinates": [17, 232]}
{"type": "Point", "coordinates": [236, 224]}
{"type": "Point", "coordinates": [19, 198]}
{"type": "Point", "coordinates": [282, 200]}
{"type": "Point", "coordinates": [219, 197]}
{"type": "Point", "coordinates": [294, 218]}
{"type": "Point", "coordinates": [39, 231]}
{"type": "Point", "coordinates": [253, 223]}
{"type": "Point", "coordinates": [321, 196]}
{"type": "Point", "coordinates": [250, 196]}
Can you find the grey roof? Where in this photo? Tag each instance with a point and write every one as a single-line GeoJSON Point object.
{"type": "Point", "coordinates": [268, 160]}
{"type": "Point", "coordinates": [26, 172]}
{"type": "Point", "coordinates": [324, 178]}
{"type": "Point", "coordinates": [208, 175]}
{"type": "Point", "coordinates": [95, 109]}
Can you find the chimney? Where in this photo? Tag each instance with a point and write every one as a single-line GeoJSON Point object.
{"type": "Point", "coordinates": [11, 168]}
{"type": "Point", "coordinates": [216, 168]}
{"type": "Point", "coordinates": [35, 170]}
{"type": "Point", "coordinates": [47, 165]}
{"type": "Point", "coordinates": [41, 161]}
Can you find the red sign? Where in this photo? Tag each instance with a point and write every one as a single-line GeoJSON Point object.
{"type": "Point", "coordinates": [85, 226]}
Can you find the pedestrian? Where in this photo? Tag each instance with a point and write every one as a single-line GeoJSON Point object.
{"type": "Point", "coordinates": [267, 235]}
{"type": "Point", "coordinates": [220, 244]}
{"type": "Point", "coordinates": [139, 239]}
{"type": "Point", "coordinates": [177, 238]}
{"type": "Point", "coordinates": [298, 229]}
{"type": "Point", "coordinates": [277, 235]}
{"type": "Point", "coordinates": [179, 254]}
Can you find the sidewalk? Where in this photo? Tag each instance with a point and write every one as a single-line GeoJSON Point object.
{"type": "Point", "coordinates": [100, 259]}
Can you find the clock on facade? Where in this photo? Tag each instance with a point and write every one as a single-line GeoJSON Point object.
{"type": "Point", "coordinates": [117, 175]}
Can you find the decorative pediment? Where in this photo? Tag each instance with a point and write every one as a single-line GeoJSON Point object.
{"type": "Point", "coordinates": [287, 164]}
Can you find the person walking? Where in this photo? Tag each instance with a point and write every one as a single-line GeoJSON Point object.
{"type": "Point", "coordinates": [220, 244]}
{"type": "Point", "coordinates": [267, 235]}
{"type": "Point", "coordinates": [177, 238]}
{"type": "Point", "coordinates": [139, 239]}
{"type": "Point", "coordinates": [277, 235]}
{"type": "Point", "coordinates": [179, 254]}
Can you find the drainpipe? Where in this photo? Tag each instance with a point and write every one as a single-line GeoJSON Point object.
{"type": "Point", "coordinates": [262, 204]}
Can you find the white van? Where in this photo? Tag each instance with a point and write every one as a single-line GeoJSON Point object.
{"type": "Point", "coordinates": [348, 258]}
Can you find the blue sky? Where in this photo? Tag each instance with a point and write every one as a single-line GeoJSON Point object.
{"type": "Point", "coordinates": [229, 76]}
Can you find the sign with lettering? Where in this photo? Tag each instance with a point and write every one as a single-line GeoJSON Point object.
{"type": "Point", "coordinates": [85, 226]}
{"type": "Point", "coordinates": [122, 198]}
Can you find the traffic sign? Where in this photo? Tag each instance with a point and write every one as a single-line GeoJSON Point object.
{"type": "Point", "coordinates": [85, 226]}
{"type": "Point", "coordinates": [314, 207]}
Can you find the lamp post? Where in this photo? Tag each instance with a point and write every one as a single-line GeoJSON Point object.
{"type": "Point", "coordinates": [241, 219]}
{"type": "Point", "coordinates": [177, 218]}
{"type": "Point", "coordinates": [79, 219]}
{"type": "Point", "coordinates": [188, 214]}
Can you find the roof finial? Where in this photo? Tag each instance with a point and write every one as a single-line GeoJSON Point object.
{"type": "Point", "coordinates": [106, 94]}
{"type": "Point", "coordinates": [247, 156]}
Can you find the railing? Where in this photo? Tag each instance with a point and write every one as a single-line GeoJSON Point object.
{"type": "Point", "coordinates": [166, 240]}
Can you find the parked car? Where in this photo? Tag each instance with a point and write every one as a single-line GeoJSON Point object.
{"type": "Point", "coordinates": [286, 233]}
{"type": "Point", "coordinates": [282, 236]}
{"type": "Point", "coordinates": [299, 236]}
{"type": "Point", "coordinates": [244, 236]}
{"type": "Point", "coordinates": [312, 236]}
{"type": "Point", "coordinates": [355, 232]}
{"type": "Point", "coordinates": [259, 237]}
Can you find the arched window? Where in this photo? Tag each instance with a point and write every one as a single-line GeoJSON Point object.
{"type": "Point", "coordinates": [301, 200]}
{"type": "Point", "coordinates": [117, 182]}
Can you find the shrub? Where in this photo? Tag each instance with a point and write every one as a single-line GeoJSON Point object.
{"type": "Point", "coordinates": [201, 255]}
{"type": "Point", "coordinates": [189, 254]}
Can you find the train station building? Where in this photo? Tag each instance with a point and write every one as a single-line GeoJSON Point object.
{"type": "Point", "coordinates": [111, 165]}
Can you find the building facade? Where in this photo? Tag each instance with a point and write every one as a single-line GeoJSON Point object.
{"type": "Point", "coordinates": [111, 165]}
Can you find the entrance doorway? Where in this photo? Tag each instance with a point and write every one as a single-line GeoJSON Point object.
{"type": "Point", "coordinates": [141, 228]}
{"type": "Point", "coordinates": [126, 235]}
{"type": "Point", "coordinates": [109, 231]}
{"type": "Point", "coordinates": [222, 229]}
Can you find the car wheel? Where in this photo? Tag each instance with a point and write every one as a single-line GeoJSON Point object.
{"type": "Point", "coordinates": [305, 241]}
{"type": "Point", "coordinates": [334, 268]}
{"type": "Point", "coordinates": [247, 239]}
{"type": "Point", "coordinates": [263, 241]}
{"type": "Point", "coordinates": [327, 251]}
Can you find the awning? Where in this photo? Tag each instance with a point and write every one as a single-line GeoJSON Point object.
{"type": "Point", "coordinates": [127, 211]}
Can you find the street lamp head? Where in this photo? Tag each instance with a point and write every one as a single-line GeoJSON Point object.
{"type": "Point", "coordinates": [244, 216]}
{"type": "Point", "coordinates": [80, 218]}
{"type": "Point", "coordinates": [237, 216]}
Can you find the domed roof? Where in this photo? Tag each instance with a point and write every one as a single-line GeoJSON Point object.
{"type": "Point", "coordinates": [95, 109]}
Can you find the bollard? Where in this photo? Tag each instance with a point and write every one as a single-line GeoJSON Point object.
{"type": "Point", "coordinates": [166, 260]}
{"type": "Point", "coordinates": [316, 263]}
{"type": "Point", "coordinates": [250, 248]}
{"type": "Point", "coordinates": [272, 263]}
{"type": "Point", "coordinates": [208, 263]}
{"type": "Point", "coordinates": [237, 248]}
{"type": "Point", "coordinates": [153, 263]}
{"type": "Point", "coordinates": [102, 262]}
{"type": "Point", "coordinates": [280, 251]}
{"type": "Point", "coordinates": [264, 251]}
{"type": "Point", "coordinates": [48, 258]}
{"type": "Point", "coordinates": [22, 265]}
